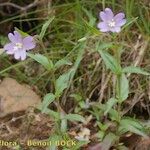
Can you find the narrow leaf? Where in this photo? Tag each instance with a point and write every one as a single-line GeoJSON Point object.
{"type": "Point", "coordinates": [49, 98]}
{"type": "Point", "coordinates": [110, 62]}
{"type": "Point", "coordinates": [108, 141]}
{"type": "Point", "coordinates": [103, 46]}
{"type": "Point", "coordinates": [24, 34]}
{"type": "Point", "coordinates": [132, 69]}
{"type": "Point", "coordinates": [124, 88]}
{"type": "Point", "coordinates": [74, 117]}
{"type": "Point", "coordinates": [114, 115]}
{"type": "Point", "coordinates": [62, 82]}
{"type": "Point", "coordinates": [110, 103]}
{"type": "Point", "coordinates": [133, 126]}
{"type": "Point", "coordinates": [50, 112]}
{"type": "Point", "coordinates": [45, 26]}
{"type": "Point", "coordinates": [62, 62]}
{"type": "Point", "coordinates": [48, 64]}
{"type": "Point", "coordinates": [63, 123]}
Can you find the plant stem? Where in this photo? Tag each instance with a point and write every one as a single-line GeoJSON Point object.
{"type": "Point", "coordinates": [119, 97]}
{"type": "Point", "coordinates": [118, 84]}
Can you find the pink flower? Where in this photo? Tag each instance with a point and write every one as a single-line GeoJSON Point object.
{"type": "Point", "coordinates": [111, 22]}
{"type": "Point", "coordinates": [19, 45]}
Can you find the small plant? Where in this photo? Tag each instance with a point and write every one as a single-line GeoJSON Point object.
{"type": "Point", "coordinates": [20, 45]}
{"type": "Point", "coordinates": [113, 107]}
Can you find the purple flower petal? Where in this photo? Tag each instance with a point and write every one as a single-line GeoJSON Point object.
{"type": "Point", "coordinates": [19, 45]}
{"type": "Point", "coordinates": [23, 55]}
{"type": "Point", "coordinates": [20, 54]}
{"type": "Point", "coordinates": [103, 16]}
{"type": "Point", "coordinates": [103, 26]}
{"type": "Point", "coordinates": [119, 19]}
{"type": "Point", "coordinates": [110, 22]}
{"type": "Point", "coordinates": [109, 14]}
{"type": "Point", "coordinates": [15, 38]}
{"type": "Point", "coordinates": [121, 22]}
{"type": "Point", "coordinates": [117, 29]}
{"type": "Point", "coordinates": [112, 30]}
{"type": "Point", "coordinates": [119, 16]}
{"type": "Point", "coordinates": [28, 43]}
{"type": "Point", "coordinates": [8, 46]}
{"type": "Point", "coordinates": [10, 52]}
{"type": "Point", "coordinates": [12, 37]}
{"type": "Point", "coordinates": [17, 55]}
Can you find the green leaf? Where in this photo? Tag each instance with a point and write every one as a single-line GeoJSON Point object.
{"type": "Point", "coordinates": [110, 103]}
{"type": "Point", "coordinates": [51, 113]}
{"type": "Point", "coordinates": [110, 62]}
{"type": "Point", "coordinates": [100, 135]}
{"type": "Point", "coordinates": [124, 88]}
{"type": "Point", "coordinates": [103, 127]}
{"type": "Point", "coordinates": [108, 141]}
{"type": "Point", "coordinates": [114, 115]}
{"type": "Point", "coordinates": [132, 69]}
{"type": "Point", "coordinates": [48, 64]}
{"type": "Point", "coordinates": [132, 125]}
{"type": "Point", "coordinates": [80, 47]}
{"type": "Point", "coordinates": [48, 98]}
{"type": "Point", "coordinates": [63, 123]}
{"type": "Point", "coordinates": [103, 46]}
{"type": "Point", "coordinates": [62, 82]}
{"type": "Point", "coordinates": [61, 63]}
{"type": "Point", "coordinates": [77, 97]}
{"type": "Point", "coordinates": [24, 34]}
{"type": "Point", "coordinates": [45, 26]}
{"type": "Point", "coordinates": [74, 117]}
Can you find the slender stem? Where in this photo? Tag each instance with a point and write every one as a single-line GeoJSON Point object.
{"type": "Point", "coordinates": [119, 96]}
{"type": "Point", "coordinates": [118, 84]}
{"type": "Point", "coordinates": [59, 109]}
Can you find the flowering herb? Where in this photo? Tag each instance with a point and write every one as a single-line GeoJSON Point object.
{"type": "Point", "coordinates": [111, 22]}
{"type": "Point", "coordinates": [18, 45]}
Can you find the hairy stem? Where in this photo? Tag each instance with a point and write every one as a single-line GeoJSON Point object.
{"type": "Point", "coordinates": [118, 83]}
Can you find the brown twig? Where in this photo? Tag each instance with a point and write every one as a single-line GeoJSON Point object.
{"type": "Point", "coordinates": [103, 87]}
{"type": "Point", "coordinates": [141, 53]}
{"type": "Point", "coordinates": [11, 4]}
{"type": "Point", "coordinates": [20, 7]}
